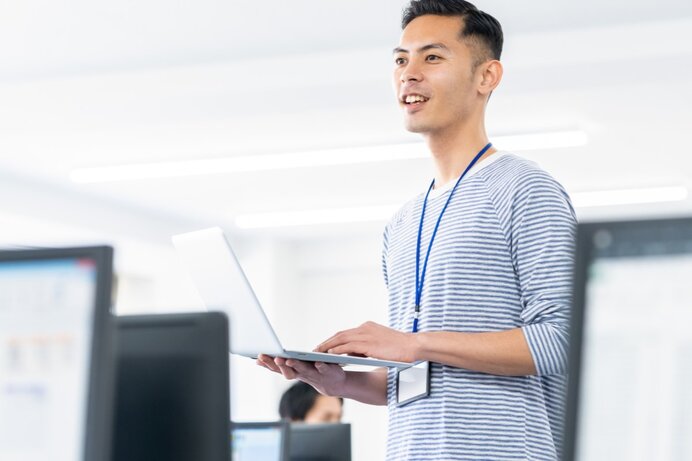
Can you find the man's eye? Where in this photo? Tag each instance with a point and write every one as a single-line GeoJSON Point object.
{"type": "Point", "coordinates": [432, 57]}
{"type": "Point", "coordinates": [399, 61]}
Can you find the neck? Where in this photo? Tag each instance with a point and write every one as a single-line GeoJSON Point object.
{"type": "Point", "coordinates": [453, 150]}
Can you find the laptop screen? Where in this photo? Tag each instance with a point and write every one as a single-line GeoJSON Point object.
{"type": "Point", "coordinates": [258, 441]}
{"type": "Point", "coordinates": [634, 312]}
{"type": "Point", "coordinates": [46, 318]}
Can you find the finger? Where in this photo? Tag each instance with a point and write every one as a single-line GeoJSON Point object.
{"type": "Point", "coordinates": [338, 339]}
{"type": "Point", "coordinates": [268, 362]}
{"type": "Point", "coordinates": [303, 369]}
{"type": "Point", "coordinates": [327, 368]}
{"type": "Point", "coordinates": [357, 348]}
{"type": "Point", "coordinates": [272, 368]}
{"type": "Point", "coordinates": [279, 361]}
{"type": "Point", "coordinates": [260, 362]}
{"type": "Point", "coordinates": [288, 372]}
{"type": "Point", "coordinates": [357, 338]}
{"type": "Point", "coordinates": [323, 346]}
{"type": "Point", "coordinates": [264, 357]}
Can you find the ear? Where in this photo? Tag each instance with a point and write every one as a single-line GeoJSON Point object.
{"type": "Point", "coordinates": [490, 74]}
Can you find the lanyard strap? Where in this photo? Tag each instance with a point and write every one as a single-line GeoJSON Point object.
{"type": "Point", "coordinates": [420, 275]}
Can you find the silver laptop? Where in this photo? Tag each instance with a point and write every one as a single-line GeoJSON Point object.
{"type": "Point", "coordinates": [222, 284]}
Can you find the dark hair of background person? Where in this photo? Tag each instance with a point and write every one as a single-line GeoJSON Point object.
{"type": "Point", "coordinates": [482, 31]}
{"type": "Point", "coordinates": [297, 401]}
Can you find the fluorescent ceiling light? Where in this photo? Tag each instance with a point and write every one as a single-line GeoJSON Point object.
{"type": "Point", "coordinates": [629, 196]}
{"type": "Point", "coordinates": [343, 156]}
{"type": "Point", "coordinates": [315, 217]}
{"type": "Point", "coordinates": [327, 157]}
{"type": "Point", "coordinates": [385, 212]}
{"type": "Point", "coordinates": [538, 141]}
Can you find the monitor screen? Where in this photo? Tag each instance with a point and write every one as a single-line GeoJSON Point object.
{"type": "Point", "coordinates": [320, 442]}
{"type": "Point", "coordinates": [47, 314]}
{"type": "Point", "coordinates": [172, 393]}
{"type": "Point", "coordinates": [258, 441]}
{"type": "Point", "coordinates": [635, 369]}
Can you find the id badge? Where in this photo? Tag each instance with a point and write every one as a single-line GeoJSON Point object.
{"type": "Point", "coordinates": [412, 383]}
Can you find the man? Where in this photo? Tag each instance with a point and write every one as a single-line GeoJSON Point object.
{"type": "Point", "coordinates": [301, 403]}
{"type": "Point", "coordinates": [478, 268]}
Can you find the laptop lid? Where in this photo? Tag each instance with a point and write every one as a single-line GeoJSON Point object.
{"type": "Point", "coordinates": [266, 441]}
{"type": "Point", "coordinates": [222, 285]}
{"type": "Point", "coordinates": [631, 348]}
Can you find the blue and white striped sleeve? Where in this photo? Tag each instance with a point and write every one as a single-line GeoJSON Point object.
{"type": "Point", "coordinates": [385, 245]}
{"type": "Point", "coordinates": [542, 238]}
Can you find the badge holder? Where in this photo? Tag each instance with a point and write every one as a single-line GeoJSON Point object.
{"type": "Point", "coordinates": [412, 383]}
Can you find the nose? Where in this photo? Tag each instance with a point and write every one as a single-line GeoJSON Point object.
{"type": "Point", "coordinates": [411, 72]}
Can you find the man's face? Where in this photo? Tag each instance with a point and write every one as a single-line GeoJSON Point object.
{"type": "Point", "coordinates": [325, 410]}
{"type": "Point", "coordinates": [433, 75]}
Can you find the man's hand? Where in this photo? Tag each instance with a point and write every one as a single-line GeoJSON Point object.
{"type": "Point", "coordinates": [373, 340]}
{"type": "Point", "coordinates": [326, 378]}
{"type": "Point", "coordinates": [330, 379]}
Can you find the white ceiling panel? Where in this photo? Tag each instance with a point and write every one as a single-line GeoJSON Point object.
{"type": "Point", "coordinates": [86, 83]}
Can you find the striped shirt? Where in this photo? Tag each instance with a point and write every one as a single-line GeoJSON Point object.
{"type": "Point", "coordinates": [502, 259]}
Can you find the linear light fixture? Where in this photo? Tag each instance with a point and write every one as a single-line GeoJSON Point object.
{"type": "Point", "coordinates": [639, 196]}
{"type": "Point", "coordinates": [383, 213]}
{"type": "Point", "coordinates": [327, 157]}
{"type": "Point", "coordinates": [315, 217]}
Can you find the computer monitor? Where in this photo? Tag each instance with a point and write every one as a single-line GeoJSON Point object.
{"type": "Point", "coordinates": [261, 441]}
{"type": "Point", "coordinates": [172, 397]}
{"type": "Point", "coordinates": [56, 367]}
{"type": "Point", "coordinates": [631, 348]}
{"type": "Point", "coordinates": [320, 442]}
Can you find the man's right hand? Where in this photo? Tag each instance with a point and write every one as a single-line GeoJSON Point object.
{"type": "Point", "coordinates": [326, 378]}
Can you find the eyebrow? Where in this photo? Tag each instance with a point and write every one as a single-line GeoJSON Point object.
{"type": "Point", "coordinates": [432, 46]}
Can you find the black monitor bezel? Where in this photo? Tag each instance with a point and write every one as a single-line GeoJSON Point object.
{"type": "Point", "coordinates": [99, 417]}
{"type": "Point", "coordinates": [584, 256]}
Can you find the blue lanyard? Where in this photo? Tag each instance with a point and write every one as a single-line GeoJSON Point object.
{"type": "Point", "coordinates": [420, 275]}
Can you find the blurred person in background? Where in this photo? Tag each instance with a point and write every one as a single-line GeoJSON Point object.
{"type": "Point", "coordinates": [302, 403]}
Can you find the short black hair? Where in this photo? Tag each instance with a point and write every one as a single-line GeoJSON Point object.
{"type": "Point", "coordinates": [297, 401]}
{"type": "Point", "coordinates": [479, 27]}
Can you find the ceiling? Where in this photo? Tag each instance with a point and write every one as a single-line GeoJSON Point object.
{"type": "Point", "coordinates": [86, 83]}
{"type": "Point", "coordinates": [43, 39]}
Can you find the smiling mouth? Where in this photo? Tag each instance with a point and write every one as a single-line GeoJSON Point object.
{"type": "Point", "coordinates": [414, 99]}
